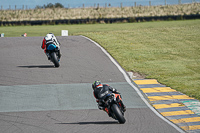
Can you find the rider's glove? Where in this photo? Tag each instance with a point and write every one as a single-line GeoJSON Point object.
{"type": "Point", "coordinates": [117, 92]}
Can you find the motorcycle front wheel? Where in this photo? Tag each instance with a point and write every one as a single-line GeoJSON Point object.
{"type": "Point", "coordinates": [54, 59]}
{"type": "Point", "coordinates": [118, 114]}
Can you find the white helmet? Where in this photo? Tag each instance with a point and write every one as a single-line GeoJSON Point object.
{"type": "Point", "coordinates": [49, 37]}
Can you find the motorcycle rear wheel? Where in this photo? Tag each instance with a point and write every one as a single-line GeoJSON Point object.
{"type": "Point", "coordinates": [54, 59]}
{"type": "Point", "coordinates": [118, 114]}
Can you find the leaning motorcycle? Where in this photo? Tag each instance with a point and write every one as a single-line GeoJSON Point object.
{"type": "Point", "coordinates": [112, 102]}
{"type": "Point", "coordinates": [54, 53]}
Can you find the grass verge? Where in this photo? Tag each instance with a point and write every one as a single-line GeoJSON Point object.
{"type": "Point", "coordinates": [167, 51]}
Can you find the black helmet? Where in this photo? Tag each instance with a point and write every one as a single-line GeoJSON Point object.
{"type": "Point", "coordinates": [96, 84]}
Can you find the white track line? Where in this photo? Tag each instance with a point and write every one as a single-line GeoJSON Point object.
{"type": "Point", "coordinates": [136, 89]}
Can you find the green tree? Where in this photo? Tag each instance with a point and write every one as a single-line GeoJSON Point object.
{"type": "Point", "coordinates": [58, 5]}
{"type": "Point", "coordinates": [50, 5]}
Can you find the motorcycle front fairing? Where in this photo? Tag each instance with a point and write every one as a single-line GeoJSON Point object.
{"type": "Point", "coordinates": [111, 102]}
{"type": "Point", "coordinates": [111, 99]}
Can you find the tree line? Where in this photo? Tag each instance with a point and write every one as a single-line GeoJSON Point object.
{"type": "Point", "coordinates": [50, 5]}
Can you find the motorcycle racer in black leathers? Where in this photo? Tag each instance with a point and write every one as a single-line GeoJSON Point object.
{"type": "Point", "coordinates": [101, 90]}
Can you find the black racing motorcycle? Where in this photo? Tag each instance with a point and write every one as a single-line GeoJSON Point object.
{"type": "Point", "coordinates": [54, 53]}
{"type": "Point", "coordinates": [112, 102]}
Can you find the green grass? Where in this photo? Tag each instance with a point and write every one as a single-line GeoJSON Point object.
{"type": "Point", "coordinates": [167, 51]}
{"type": "Point", "coordinates": [16, 31]}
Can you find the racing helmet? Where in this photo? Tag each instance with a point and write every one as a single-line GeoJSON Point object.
{"type": "Point", "coordinates": [49, 37]}
{"type": "Point", "coordinates": [97, 84]}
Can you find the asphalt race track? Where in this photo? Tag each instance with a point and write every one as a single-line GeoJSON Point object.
{"type": "Point", "coordinates": [35, 97]}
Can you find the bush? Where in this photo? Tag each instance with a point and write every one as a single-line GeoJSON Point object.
{"type": "Point", "coordinates": [50, 5]}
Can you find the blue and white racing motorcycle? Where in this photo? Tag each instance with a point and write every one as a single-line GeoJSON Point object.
{"type": "Point", "coordinates": [53, 53]}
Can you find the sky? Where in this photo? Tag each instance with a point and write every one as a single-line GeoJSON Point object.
{"type": "Point", "coordinates": [87, 3]}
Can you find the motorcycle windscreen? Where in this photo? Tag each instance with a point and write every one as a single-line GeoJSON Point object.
{"type": "Point", "coordinates": [51, 47]}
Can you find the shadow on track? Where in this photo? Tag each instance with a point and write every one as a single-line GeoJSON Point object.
{"type": "Point", "coordinates": [38, 66]}
{"type": "Point", "coordinates": [88, 123]}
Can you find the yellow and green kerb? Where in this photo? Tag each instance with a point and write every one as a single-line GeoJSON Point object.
{"type": "Point", "coordinates": [169, 103]}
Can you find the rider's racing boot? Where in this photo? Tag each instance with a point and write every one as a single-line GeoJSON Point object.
{"type": "Point", "coordinates": [59, 54]}
{"type": "Point", "coordinates": [48, 56]}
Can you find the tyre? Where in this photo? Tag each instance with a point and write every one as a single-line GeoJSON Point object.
{"type": "Point", "coordinates": [54, 59]}
{"type": "Point", "coordinates": [118, 114]}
